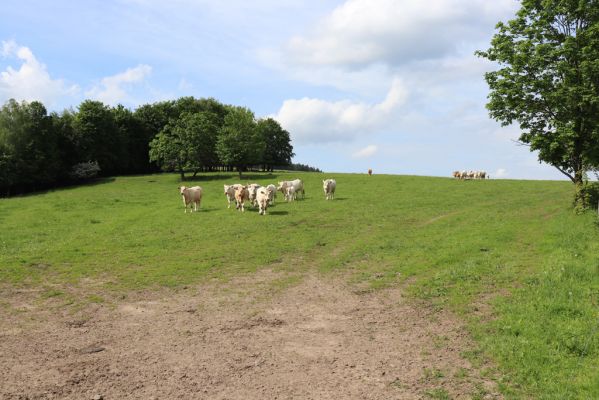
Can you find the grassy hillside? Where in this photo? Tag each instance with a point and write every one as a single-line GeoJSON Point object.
{"type": "Point", "coordinates": [510, 257]}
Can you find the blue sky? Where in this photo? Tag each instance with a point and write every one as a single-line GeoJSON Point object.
{"type": "Point", "coordinates": [391, 85]}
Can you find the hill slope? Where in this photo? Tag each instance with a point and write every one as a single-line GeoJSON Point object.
{"type": "Point", "coordinates": [508, 256]}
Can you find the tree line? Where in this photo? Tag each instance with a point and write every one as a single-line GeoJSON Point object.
{"type": "Point", "coordinates": [39, 150]}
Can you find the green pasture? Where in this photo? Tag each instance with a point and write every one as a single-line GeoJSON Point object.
{"type": "Point", "coordinates": [509, 257]}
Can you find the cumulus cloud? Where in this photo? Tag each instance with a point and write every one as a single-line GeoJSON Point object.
{"type": "Point", "coordinates": [114, 89]}
{"type": "Point", "coordinates": [31, 81]}
{"type": "Point", "coordinates": [312, 120]}
{"type": "Point", "coordinates": [364, 32]}
{"type": "Point", "coordinates": [366, 152]}
{"type": "Point", "coordinates": [501, 173]}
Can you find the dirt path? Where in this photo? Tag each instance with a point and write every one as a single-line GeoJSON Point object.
{"type": "Point", "coordinates": [317, 339]}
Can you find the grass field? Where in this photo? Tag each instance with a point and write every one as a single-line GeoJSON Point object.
{"type": "Point", "coordinates": [509, 257]}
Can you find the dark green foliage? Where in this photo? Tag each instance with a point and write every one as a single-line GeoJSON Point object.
{"type": "Point", "coordinates": [239, 143]}
{"type": "Point", "coordinates": [29, 147]}
{"type": "Point", "coordinates": [548, 81]}
{"type": "Point", "coordinates": [277, 144]}
{"type": "Point", "coordinates": [188, 143]}
{"type": "Point", "coordinates": [39, 151]}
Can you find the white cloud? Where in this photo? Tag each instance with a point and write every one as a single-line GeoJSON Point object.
{"type": "Point", "coordinates": [113, 89]}
{"type": "Point", "coordinates": [501, 173]}
{"type": "Point", "coordinates": [31, 81]}
{"type": "Point", "coordinates": [366, 152]}
{"type": "Point", "coordinates": [364, 32]}
{"type": "Point", "coordinates": [319, 121]}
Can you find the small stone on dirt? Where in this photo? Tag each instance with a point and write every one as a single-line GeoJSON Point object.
{"type": "Point", "coordinates": [92, 349]}
{"type": "Point", "coordinates": [98, 397]}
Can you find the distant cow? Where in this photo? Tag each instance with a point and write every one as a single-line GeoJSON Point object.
{"type": "Point", "coordinates": [241, 196]}
{"type": "Point", "coordinates": [298, 187]}
{"type": "Point", "coordinates": [263, 195]}
{"type": "Point", "coordinates": [329, 186]}
{"type": "Point", "coordinates": [230, 193]}
{"type": "Point", "coordinates": [369, 171]}
{"type": "Point", "coordinates": [191, 195]}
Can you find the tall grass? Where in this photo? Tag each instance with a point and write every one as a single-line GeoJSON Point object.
{"type": "Point", "coordinates": [509, 257]}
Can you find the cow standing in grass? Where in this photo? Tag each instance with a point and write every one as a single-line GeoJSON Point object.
{"type": "Point", "coordinates": [329, 186]}
{"type": "Point", "coordinates": [191, 195]}
{"type": "Point", "coordinates": [272, 193]}
{"type": "Point", "coordinates": [263, 195]}
{"type": "Point", "coordinates": [241, 196]}
{"type": "Point", "coordinates": [298, 187]}
{"type": "Point", "coordinates": [230, 193]}
{"type": "Point", "coordinates": [252, 191]}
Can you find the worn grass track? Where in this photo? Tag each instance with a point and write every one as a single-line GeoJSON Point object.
{"type": "Point", "coordinates": [509, 257]}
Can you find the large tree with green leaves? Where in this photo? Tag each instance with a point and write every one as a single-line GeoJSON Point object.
{"type": "Point", "coordinates": [277, 144]}
{"type": "Point", "coordinates": [239, 144]}
{"type": "Point", "coordinates": [186, 143]}
{"type": "Point", "coordinates": [548, 82]}
{"type": "Point", "coordinates": [30, 155]}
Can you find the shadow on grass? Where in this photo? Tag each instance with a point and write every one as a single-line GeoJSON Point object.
{"type": "Point", "coordinates": [340, 199]}
{"type": "Point", "coordinates": [63, 187]}
{"type": "Point", "coordinates": [277, 212]}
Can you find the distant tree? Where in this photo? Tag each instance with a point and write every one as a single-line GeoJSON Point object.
{"type": "Point", "coordinates": [277, 144]}
{"type": "Point", "coordinates": [134, 139]}
{"type": "Point", "coordinates": [548, 82]}
{"type": "Point", "coordinates": [187, 143]}
{"type": "Point", "coordinates": [30, 157]}
{"type": "Point", "coordinates": [239, 143]}
{"type": "Point", "coordinates": [97, 138]}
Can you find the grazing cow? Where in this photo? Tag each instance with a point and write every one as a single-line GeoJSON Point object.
{"type": "Point", "coordinates": [456, 174]}
{"type": "Point", "coordinates": [298, 186]}
{"type": "Point", "coordinates": [241, 196]}
{"type": "Point", "coordinates": [191, 195]}
{"type": "Point", "coordinates": [329, 186]}
{"type": "Point", "coordinates": [369, 171]}
{"type": "Point", "coordinates": [272, 193]}
{"type": "Point", "coordinates": [262, 198]}
{"type": "Point", "coordinates": [252, 190]}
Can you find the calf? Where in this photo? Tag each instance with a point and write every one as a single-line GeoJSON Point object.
{"type": "Point", "coordinates": [191, 195]}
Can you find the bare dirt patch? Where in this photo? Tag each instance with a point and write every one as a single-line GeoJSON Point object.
{"type": "Point", "coordinates": [316, 339]}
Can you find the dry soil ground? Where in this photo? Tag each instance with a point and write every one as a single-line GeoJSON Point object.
{"type": "Point", "coordinates": [250, 338]}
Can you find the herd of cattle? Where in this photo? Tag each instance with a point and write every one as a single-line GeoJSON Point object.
{"type": "Point", "coordinates": [470, 175]}
{"type": "Point", "coordinates": [256, 195]}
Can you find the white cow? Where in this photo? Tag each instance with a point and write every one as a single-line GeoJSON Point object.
{"type": "Point", "coordinates": [298, 187]}
{"type": "Point", "coordinates": [191, 195]}
{"type": "Point", "coordinates": [290, 193]}
{"type": "Point", "coordinates": [230, 193]}
{"type": "Point", "coordinates": [329, 186]}
{"type": "Point", "coordinates": [252, 190]}
{"type": "Point", "coordinates": [263, 195]}
{"type": "Point", "coordinates": [241, 196]}
{"type": "Point", "coordinates": [272, 190]}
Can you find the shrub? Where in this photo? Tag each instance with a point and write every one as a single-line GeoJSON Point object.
{"type": "Point", "coordinates": [85, 170]}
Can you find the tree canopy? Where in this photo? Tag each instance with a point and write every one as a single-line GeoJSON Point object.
{"type": "Point", "coordinates": [39, 151]}
{"type": "Point", "coordinates": [548, 81]}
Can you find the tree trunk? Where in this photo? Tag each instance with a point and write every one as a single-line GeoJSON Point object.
{"type": "Point", "coordinates": [182, 173]}
{"type": "Point", "coordinates": [580, 198]}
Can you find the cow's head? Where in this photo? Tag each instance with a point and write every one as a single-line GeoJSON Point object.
{"type": "Point", "coordinates": [182, 189]}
